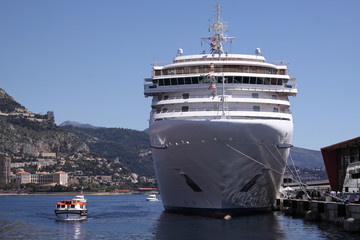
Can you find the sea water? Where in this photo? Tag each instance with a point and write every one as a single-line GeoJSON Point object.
{"type": "Point", "coordinates": [132, 217]}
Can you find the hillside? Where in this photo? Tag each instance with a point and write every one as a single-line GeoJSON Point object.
{"type": "Point", "coordinates": [77, 124]}
{"type": "Point", "coordinates": [131, 147]}
{"type": "Point", "coordinates": [306, 158]}
{"type": "Point", "coordinates": [8, 104]}
{"type": "Point", "coordinates": [24, 133]}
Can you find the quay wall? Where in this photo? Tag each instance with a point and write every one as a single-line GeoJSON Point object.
{"type": "Point", "coordinates": [332, 212]}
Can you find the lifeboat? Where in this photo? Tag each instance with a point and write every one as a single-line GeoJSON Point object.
{"type": "Point", "coordinates": [71, 210]}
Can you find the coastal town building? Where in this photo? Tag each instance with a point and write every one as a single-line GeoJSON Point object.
{"type": "Point", "coordinates": [5, 166]}
{"type": "Point", "coordinates": [23, 177]}
{"type": "Point", "coordinates": [60, 178]}
{"type": "Point", "coordinates": [48, 154]}
{"type": "Point", "coordinates": [342, 162]}
{"type": "Point", "coordinates": [50, 116]}
{"type": "Point", "coordinates": [39, 163]}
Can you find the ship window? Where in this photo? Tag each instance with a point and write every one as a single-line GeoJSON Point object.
{"type": "Point", "coordinates": [180, 70]}
{"type": "Point", "coordinates": [185, 109]}
{"type": "Point", "coordinates": [273, 81]}
{"type": "Point", "coordinates": [166, 82]}
{"type": "Point", "coordinates": [237, 79]}
{"type": "Point", "coordinates": [230, 79]}
{"type": "Point", "coordinates": [253, 80]}
{"type": "Point", "coordinates": [181, 81]}
{"type": "Point", "coordinates": [254, 69]}
{"type": "Point", "coordinates": [256, 108]}
{"type": "Point", "coordinates": [187, 80]}
{"type": "Point", "coordinates": [164, 110]}
{"type": "Point", "coordinates": [255, 95]}
{"type": "Point", "coordinates": [62, 206]}
{"type": "Point", "coordinates": [274, 96]}
{"type": "Point", "coordinates": [276, 109]}
{"type": "Point", "coordinates": [159, 98]}
{"type": "Point", "coordinates": [246, 80]}
{"type": "Point", "coordinates": [260, 81]}
{"type": "Point", "coordinates": [266, 81]}
{"type": "Point", "coordinates": [72, 206]}
{"type": "Point", "coordinates": [161, 82]}
{"type": "Point", "coordinates": [355, 175]}
{"type": "Point", "coordinates": [173, 81]}
{"type": "Point", "coordinates": [280, 82]}
{"type": "Point", "coordinates": [195, 80]}
{"type": "Point", "coordinates": [166, 97]}
{"type": "Point", "coordinates": [185, 96]}
{"type": "Point", "coordinates": [158, 110]}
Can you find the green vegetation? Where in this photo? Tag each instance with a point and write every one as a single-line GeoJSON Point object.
{"type": "Point", "coordinates": [131, 147]}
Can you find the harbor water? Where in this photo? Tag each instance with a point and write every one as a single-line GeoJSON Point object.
{"type": "Point", "coordinates": [132, 217]}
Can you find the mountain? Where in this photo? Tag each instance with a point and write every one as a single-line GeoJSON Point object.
{"type": "Point", "coordinates": [24, 133]}
{"type": "Point", "coordinates": [306, 158]}
{"type": "Point", "coordinates": [130, 147]}
{"type": "Point", "coordinates": [77, 124]}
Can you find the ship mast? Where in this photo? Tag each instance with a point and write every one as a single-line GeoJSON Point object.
{"type": "Point", "coordinates": [218, 36]}
{"type": "Point", "coordinates": [216, 47]}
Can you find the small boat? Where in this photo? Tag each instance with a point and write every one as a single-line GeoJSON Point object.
{"type": "Point", "coordinates": [74, 209]}
{"type": "Point", "coordinates": [79, 198]}
{"type": "Point", "coordinates": [152, 198]}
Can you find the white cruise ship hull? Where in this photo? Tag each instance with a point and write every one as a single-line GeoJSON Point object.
{"type": "Point", "coordinates": [219, 167]}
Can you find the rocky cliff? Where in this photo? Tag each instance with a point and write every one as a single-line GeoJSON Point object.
{"type": "Point", "coordinates": [25, 133]}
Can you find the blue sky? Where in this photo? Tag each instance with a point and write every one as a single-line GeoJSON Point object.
{"type": "Point", "coordinates": [86, 59]}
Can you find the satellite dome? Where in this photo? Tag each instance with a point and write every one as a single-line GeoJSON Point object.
{"type": "Point", "coordinates": [258, 52]}
{"type": "Point", "coordinates": [179, 52]}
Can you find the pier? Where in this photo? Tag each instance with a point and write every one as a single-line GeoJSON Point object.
{"type": "Point", "coordinates": [346, 215]}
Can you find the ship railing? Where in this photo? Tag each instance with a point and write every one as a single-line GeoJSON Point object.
{"type": "Point", "coordinates": [218, 97]}
{"type": "Point", "coordinates": [205, 70]}
{"type": "Point", "coordinates": [172, 111]}
{"type": "Point", "coordinates": [224, 58]}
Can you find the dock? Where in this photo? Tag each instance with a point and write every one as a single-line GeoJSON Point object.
{"type": "Point", "coordinates": [346, 215]}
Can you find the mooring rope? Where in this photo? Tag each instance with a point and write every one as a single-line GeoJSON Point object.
{"type": "Point", "coordinates": [252, 159]}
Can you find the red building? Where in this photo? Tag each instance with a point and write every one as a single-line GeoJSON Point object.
{"type": "Point", "coordinates": [342, 163]}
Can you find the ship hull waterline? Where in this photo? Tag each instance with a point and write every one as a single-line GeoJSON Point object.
{"type": "Point", "coordinates": [73, 215]}
{"type": "Point", "coordinates": [219, 167]}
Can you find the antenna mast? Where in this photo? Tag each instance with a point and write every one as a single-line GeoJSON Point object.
{"type": "Point", "coordinates": [218, 36]}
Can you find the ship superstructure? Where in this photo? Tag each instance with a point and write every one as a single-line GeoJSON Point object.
{"type": "Point", "coordinates": [220, 129]}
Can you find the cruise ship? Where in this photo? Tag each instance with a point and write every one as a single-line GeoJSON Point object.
{"type": "Point", "coordinates": [220, 128]}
